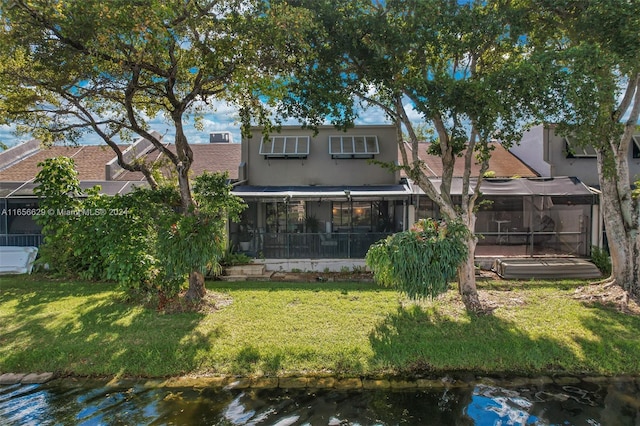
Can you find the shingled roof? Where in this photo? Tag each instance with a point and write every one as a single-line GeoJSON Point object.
{"type": "Point", "coordinates": [90, 161]}
{"type": "Point", "coordinates": [214, 157]}
{"type": "Point", "coordinates": [503, 163]}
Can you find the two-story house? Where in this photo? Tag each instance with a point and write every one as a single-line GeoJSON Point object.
{"type": "Point", "coordinates": [323, 198]}
{"type": "Point", "coordinates": [319, 195]}
{"type": "Point", "coordinates": [552, 155]}
{"type": "Point", "coordinates": [313, 197]}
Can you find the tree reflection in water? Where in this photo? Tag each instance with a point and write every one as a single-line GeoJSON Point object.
{"type": "Point", "coordinates": [605, 402]}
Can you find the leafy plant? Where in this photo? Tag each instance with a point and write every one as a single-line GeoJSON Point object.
{"type": "Point", "coordinates": [359, 269]}
{"type": "Point", "coordinates": [421, 261]}
{"type": "Point", "coordinates": [232, 258]}
{"type": "Point", "coordinates": [195, 241]}
{"type": "Point", "coordinates": [601, 259]}
{"type": "Point", "coordinates": [58, 190]}
{"type": "Point", "coordinates": [138, 240]}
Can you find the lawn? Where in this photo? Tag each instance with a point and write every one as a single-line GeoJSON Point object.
{"type": "Point", "coordinates": [277, 328]}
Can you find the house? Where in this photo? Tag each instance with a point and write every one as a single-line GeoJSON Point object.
{"type": "Point", "coordinates": [315, 197]}
{"type": "Point", "coordinates": [96, 165]}
{"type": "Point", "coordinates": [319, 199]}
{"type": "Point", "coordinates": [319, 195]}
{"type": "Point", "coordinates": [552, 155]}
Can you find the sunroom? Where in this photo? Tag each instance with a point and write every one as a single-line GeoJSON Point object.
{"type": "Point", "coordinates": [322, 222]}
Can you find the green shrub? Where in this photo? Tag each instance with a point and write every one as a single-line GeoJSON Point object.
{"type": "Point", "coordinates": [601, 259]}
{"type": "Point", "coordinates": [232, 258]}
{"type": "Point", "coordinates": [58, 190]}
{"type": "Point", "coordinates": [419, 262]}
{"type": "Point", "coordinates": [138, 240]}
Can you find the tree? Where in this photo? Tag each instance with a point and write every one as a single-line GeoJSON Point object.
{"type": "Point", "coordinates": [598, 46]}
{"type": "Point", "coordinates": [107, 67]}
{"type": "Point", "coordinates": [462, 67]}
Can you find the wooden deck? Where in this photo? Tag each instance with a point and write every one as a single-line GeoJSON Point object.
{"type": "Point", "coordinates": [545, 268]}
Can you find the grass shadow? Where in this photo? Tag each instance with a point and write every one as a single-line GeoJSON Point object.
{"type": "Point", "coordinates": [418, 341]}
{"type": "Point", "coordinates": [83, 328]}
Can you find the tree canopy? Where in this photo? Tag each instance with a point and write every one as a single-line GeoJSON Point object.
{"type": "Point", "coordinates": [108, 67]}
{"type": "Point", "coordinates": [597, 44]}
{"type": "Point", "coordinates": [466, 69]}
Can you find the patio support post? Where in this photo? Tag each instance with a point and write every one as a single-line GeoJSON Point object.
{"type": "Point", "coordinates": [405, 216]}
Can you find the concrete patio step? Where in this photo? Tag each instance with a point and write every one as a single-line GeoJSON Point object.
{"type": "Point", "coordinates": [251, 272]}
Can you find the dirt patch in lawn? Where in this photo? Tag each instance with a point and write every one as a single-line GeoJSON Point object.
{"type": "Point", "coordinates": [609, 295]}
{"type": "Point", "coordinates": [211, 302]}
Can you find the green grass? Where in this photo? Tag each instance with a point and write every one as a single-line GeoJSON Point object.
{"type": "Point", "coordinates": [275, 328]}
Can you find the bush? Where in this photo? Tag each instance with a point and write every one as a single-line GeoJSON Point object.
{"type": "Point", "coordinates": [138, 240]}
{"type": "Point", "coordinates": [601, 259]}
{"type": "Point", "coordinates": [421, 261]}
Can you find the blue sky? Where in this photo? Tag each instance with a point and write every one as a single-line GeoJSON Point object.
{"type": "Point", "coordinates": [223, 117]}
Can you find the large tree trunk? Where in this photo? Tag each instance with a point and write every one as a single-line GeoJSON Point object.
{"type": "Point", "coordinates": [196, 289]}
{"type": "Point", "coordinates": [467, 276]}
{"type": "Point", "coordinates": [623, 237]}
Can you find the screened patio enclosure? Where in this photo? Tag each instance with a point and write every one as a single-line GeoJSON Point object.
{"type": "Point", "coordinates": [19, 204]}
{"type": "Point", "coordinates": [301, 222]}
{"type": "Point", "coordinates": [532, 216]}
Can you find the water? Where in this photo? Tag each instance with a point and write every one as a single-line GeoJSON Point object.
{"type": "Point", "coordinates": [612, 402]}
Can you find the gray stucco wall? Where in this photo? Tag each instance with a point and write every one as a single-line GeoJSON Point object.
{"type": "Point", "coordinates": [544, 151]}
{"type": "Point", "coordinates": [319, 168]}
{"type": "Point", "coordinates": [531, 151]}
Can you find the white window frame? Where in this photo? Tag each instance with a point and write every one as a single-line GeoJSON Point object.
{"type": "Point", "coordinates": [348, 148]}
{"type": "Point", "coordinates": [579, 151]}
{"type": "Point", "coordinates": [636, 140]}
{"type": "Point", "coordinates": [292, 147]}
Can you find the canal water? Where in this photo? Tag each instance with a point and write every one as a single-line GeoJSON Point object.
{"type": "Point", "coordinates": [594, 402]}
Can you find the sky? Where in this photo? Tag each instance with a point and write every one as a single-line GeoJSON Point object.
{"type": "Point", "coordinates": [223, 117]}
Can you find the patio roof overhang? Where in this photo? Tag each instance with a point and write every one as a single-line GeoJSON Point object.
{"type": "Point", "coordinates": [107, 187]}
{"type": "Point", "coordinates": [556, 186]}
{"type": "Point", "coordinates": [362, 192]}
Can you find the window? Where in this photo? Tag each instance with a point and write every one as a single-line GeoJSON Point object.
{"type": "Point", "coordinates": [285, 216]}
{"type": "Point", "coordinates": [635, 148]}
{"type": "Point", "coordinates": [573, 150]}
{"type": "Point", "coordinates": [362, 216]}
{"type": "Point", "coordinates": [285, 147]}
{"type": "Point", "coordinates": [353, 146]}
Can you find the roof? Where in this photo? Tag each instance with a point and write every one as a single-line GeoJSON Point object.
{"type": "Point", "coordinates": [108, 187]}
{"type": "Point", "coordinates": [326, 192]}
{"type": "Point", "coordinates": [213, 157]}
{"type": "Point", "coordinates": [502, 162]}
{"type": "Point", "coordinates": [556, 186]}
{"type": "Point", "coordinates": [90, 162]}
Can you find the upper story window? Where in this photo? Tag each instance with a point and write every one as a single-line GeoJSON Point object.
{"type": "Point", "coordinates": [285, 147]}
{"type": "Point", "coordinates": [353, 146]}
{"type": "Point", "coordinates": [574, 150]}
{"type": "Point", "coordinates": [635, 148]}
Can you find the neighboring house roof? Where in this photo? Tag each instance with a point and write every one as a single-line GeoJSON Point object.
{"type": "Point", "coordinates": [502, 163]}
{"type": "Point", "coordinates": [90, 162]}
{"type": "Point", "coordinates": [213, 157]}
